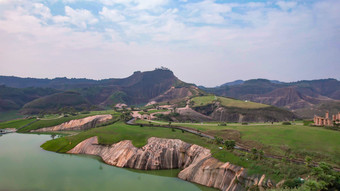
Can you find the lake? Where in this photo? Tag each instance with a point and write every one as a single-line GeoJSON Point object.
{"type": "Point", "coordinates": [25, 166]}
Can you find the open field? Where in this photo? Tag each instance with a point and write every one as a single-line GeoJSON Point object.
{"type": "Point", "coordinates": [297, 141]}
{"type": "Point", "coordinates": [16, 123]}
{"type": "Point", "coordinates": [139, 136]}
{"type": "Point", "coordinates": [59, 120]}
{"type": "Point", "coordinates": [227, 102]}
{"type": "Point", "coordinates": [321, 144]}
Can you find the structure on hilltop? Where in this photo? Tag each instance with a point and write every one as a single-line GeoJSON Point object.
{"type": "Point", "coordinates": [326, 121]}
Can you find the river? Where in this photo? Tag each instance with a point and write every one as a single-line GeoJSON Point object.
{"type": "Point", "coordinates": [25, 166]}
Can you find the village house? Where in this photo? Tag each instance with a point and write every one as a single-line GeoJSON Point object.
{"type": "Point", "coordinates": [326, 121]}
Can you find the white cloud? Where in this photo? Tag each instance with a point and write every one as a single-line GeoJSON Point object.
{"type": "Point", "coordinates": [4, 1]}
{"type": "Point", "coordinates": [78, 17]}
{"type": "Point", "coordinates": [207, 11]}
{"type": "Point", "coordinates": [42, 10]}
{"type": "Point", "coordinates": [111, 14]}
{"type": "Point", "coordinates": [248, 44]}
{"type": "Point", "coordinates": [150, 4]}
{"type": "Point", "coordinates": [286, 5]}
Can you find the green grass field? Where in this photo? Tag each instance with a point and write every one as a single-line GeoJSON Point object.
{"type": "Point", "coordinates": [139, 136]}
{"type": "Point", "coordinates": [16, 123]}
{"type": "Point", "coordinates": [227, 102]}
{"type": "Point", "coordinates": [46, 122]}
{"type": "Point", "coordinates": [319, 143]}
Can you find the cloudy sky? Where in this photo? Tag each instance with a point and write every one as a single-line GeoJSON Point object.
{"type": "Point", "coordinates": [207, 42]}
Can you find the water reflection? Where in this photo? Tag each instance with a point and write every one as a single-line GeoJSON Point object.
{"type": "Point", "coordinates": [28, 167]}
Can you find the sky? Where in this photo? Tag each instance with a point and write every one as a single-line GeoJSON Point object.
{"type": "Point", "coordinates": [206, 42]}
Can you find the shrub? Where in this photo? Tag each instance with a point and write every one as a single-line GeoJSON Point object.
{"type": "Point", "coordinates": [244, 123]}
{"type": "Point", "coordinates": [230, 144]}
{"type": "Point", "coordinates": [292, 183]}
{"type": "Point", "coordinates": [222, 124]}
{"type": "Point", "coordinates": [286, 123]}
{"type": "Point", "coordinates": [307, 123]}
{"type": "Point", "coordinates": [218, 140]}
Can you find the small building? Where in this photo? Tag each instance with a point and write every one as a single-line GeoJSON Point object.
{"type": "Point", "coordinates": [326, 121]}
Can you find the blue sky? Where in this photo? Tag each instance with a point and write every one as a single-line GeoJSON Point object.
{"type": "Point", "coordinates": [207, 42]}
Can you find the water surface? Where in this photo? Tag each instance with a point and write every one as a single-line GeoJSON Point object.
{"type": "Point", "coordinates": [25, 166]}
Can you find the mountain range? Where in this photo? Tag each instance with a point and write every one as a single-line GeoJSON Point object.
{"type": "Point", "coordinates": [32, 95]}
{"type": "Point", "coordinates": [305, 98]}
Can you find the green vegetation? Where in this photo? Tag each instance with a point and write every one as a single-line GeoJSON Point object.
{"type": "Point", "coordinates": [57, 121]}
{"type": "Point", "coordinates": [296, 141]}
{"type": "Point", "coordinates": [56, 102]}
{"type": "Point", "coordinates": [16, 123]}
{"type": "Point", "coordinates": [203, 100]}
{"type": "Point", "coordinates": [227, 102]}
{"type": "Point", "coordinates": [139, 136]}
{"type": "Point", "coordinates": [307, 123]}
{"type": "Point", "coordinates": [10, 115]}
{"type": "Point", "coordinates": [118, 97]}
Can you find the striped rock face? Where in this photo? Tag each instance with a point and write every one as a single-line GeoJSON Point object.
{"type": "Point", "coordinates": [197, 163]}
{"type": "Point", "coordinates": [78, 124]}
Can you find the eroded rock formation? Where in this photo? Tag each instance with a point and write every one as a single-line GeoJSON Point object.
{"type": "Point", "coordinates": [78, 124]}
{"type": "Point", "coordinates": [197, 163]}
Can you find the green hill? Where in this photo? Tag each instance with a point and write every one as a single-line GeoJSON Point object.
{"type": "Point", "coordinates": [233, 110]}
{"type": "Point", "coordinates": [54, 103]}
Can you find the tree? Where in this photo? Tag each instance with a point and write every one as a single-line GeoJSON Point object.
{"type": "Point", "coordinates": [254, 153]}
{"type": "Point", "coordinates": [218, 140]}
{"type": "Point", "coordinates": [230, 144]}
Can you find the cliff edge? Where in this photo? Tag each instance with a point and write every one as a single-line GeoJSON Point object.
{"type": "Point", "coordinates": [78, 124]}
{"type": "Point", "coordinates": [197, 163]}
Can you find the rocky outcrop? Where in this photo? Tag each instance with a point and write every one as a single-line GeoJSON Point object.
{"type": "Point", "coordinates": [78, 124]}
{"type": "Point", "coordinates": [197, 163]}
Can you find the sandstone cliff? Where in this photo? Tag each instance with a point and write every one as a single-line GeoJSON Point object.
{"type": "Point", "coordinates": [78, 124]}
{"type": "Point", "coordinates": [197, 163]}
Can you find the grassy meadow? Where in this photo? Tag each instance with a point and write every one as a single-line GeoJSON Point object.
{"type": "Point", "coordinates": [294, 141]}
{"type": "Point", "coordinates": [297, 141]}
{"type": "Point", "coordinates": [139, 136]}
{"type": "Point", "coordinates": [227, 102]}
{"type": "Point", "coordinates": [52, 120]}
{"type": "Point", "coordinates": [16, 123]}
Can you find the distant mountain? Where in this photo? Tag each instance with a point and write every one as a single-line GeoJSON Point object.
{"type": "Point", "coordinates": [233, 83]}
{"type": "Point", "coordinates": [161, 85]}
{"type": "Point", "coordinates": [56, 102]}
{"type": "Point", "coordinates": [139, 88]}
{"type": "Point", "coordinates": [15, 98]}
{"type": "Point", "coordinates": [58, 83]}
{"type": "Point", "coordinates": [296, 96]}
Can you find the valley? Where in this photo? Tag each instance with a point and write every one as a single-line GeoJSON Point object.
{"type": "Point", "coordinates": [152, 120]}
